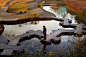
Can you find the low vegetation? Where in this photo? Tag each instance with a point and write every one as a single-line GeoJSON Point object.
{"type": "Point", "coordinates": [17, 7]}
{"type": "Point", "coordinates": [34, 15]}
{"type": "Point", "coordinates": [3, 2]}
{"type": "Point", "coordinates": [23, 0]}
{"type": "Point", "coordinates": [40, 5]}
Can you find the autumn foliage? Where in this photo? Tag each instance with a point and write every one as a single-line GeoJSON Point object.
{"type": "Point", "coordinates": [76, 5]}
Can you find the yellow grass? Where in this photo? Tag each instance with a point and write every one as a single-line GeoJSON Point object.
{"type": "Point", "coordinates": [14, 1]}
{"type": "Point", "coordinates": [19, 5]}
{"type": "Point", "coordinates": [3, 2]}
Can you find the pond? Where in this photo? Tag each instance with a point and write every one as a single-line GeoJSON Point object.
{"type": "Point", "coordinates": [34, 46]}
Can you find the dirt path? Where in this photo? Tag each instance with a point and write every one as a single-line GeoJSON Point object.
{"type": "Point", "coordinates": [7, 4]}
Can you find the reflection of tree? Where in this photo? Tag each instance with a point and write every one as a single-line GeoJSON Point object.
{"type": "Point", "coordinates": [1, 29]}
{"type": "Point", "coordinates": [34, 22]}
{"type": "Point", "coordinates": [19, 25]}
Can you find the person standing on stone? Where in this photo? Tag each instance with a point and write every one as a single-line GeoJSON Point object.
{"type": "Point", "coordinates": [44, 32]}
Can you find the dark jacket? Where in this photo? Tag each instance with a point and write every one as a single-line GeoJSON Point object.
{"type": "Point", "coordinates": [44, 30]}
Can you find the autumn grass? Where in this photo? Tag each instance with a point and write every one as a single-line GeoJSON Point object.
{"type": "Point", "coordinates": [40, 5]}
{"type": "Point", "coordinates": [70, 6]}
{"type": "Point", "coordinates": [22, 1]}
{"type": "Point", "coordinates": [3, 2]}
{"type": "Point", "coordinates": [19, 5]}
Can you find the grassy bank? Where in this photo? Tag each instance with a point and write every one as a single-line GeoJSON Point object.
{"type": "Point", "coordinates": [20, 5]}
{"type": "Point", "coordinates": [17, 7]}
{"type": "Point", "coordinates": [3, 2]}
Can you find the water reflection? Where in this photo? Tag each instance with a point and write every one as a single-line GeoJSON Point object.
{"type": "Point", "coordinates": [35, 47]}
{"type": "Point", "coordinates": [34, 22]}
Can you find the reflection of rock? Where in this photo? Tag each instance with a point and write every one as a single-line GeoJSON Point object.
{"type": "Point", "coordinates": [1, 29]}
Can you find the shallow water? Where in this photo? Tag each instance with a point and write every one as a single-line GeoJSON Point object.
{"type": "Point", "coordinates": [33, 46]}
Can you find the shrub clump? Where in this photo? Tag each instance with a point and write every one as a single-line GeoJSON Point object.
{"type": "Point", "coordinates": [34, 15]}
{"type": "Point", "coordinates": [40, 5]}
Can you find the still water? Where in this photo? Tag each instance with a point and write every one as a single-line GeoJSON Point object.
{"type": "Point", "coordinates": [34, 45]}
